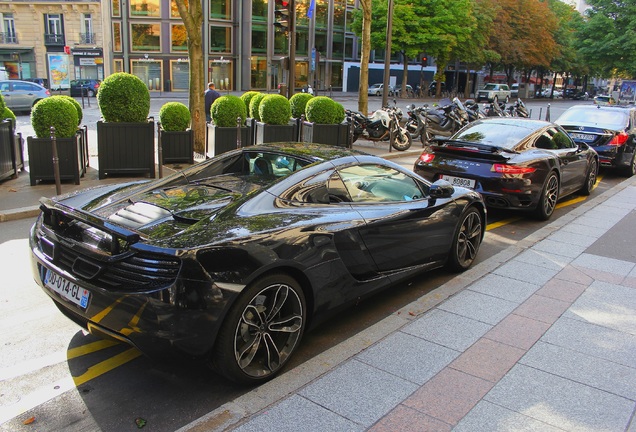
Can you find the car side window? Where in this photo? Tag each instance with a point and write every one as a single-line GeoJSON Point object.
{"type": "Point", "coordinates": [378, 183]}
{"type": "Point", "coordinates": [561, 139]}
{"type": "Point", "coordinates": [4, 87]}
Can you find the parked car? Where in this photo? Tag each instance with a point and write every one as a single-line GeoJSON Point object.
{"type": "Point", "coordinates": [610, 130]}
{"type": "Point", "coordinates": [514, 90]}
{"type": "Point", "coordinates": [603, 100]}
{"type": "Point", "coordinates": [432, 88]}
{"type": "Point", "coordinates": [494, 93]}
{"type": "Point", "coordinates": [514, 163]}
{"type": "Point", "coordinates": [378, 89]}
{"type": "Point", "coordinates": [87, 86]}
{"type": "Point", "coordinates": [42, 81]}
{"type": "Point", "coordinates": [22, 95]}
{"type": "Point", "coordinates": [233, 259]}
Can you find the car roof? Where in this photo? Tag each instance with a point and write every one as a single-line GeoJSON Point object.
{"type": "Point", "coordinates": [21, 81]}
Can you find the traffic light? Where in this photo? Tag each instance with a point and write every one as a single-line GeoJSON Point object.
{"type": "Point", "coordinates": [281, 14]}
{"type": "Point", "coordinates": [424, 61]}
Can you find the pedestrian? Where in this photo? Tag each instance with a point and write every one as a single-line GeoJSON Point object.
{"type": "Point", "coordinates": [210, 96]}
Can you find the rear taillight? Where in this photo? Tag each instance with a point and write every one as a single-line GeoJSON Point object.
{"type": "Point", "coordinates": [512, 169]}
{"type": "Point", "coordinates": [619, 139]}
{"type": "Point", "coordinates": [48, 93]}
{"type": "Point", "coordinates": [427, 157]}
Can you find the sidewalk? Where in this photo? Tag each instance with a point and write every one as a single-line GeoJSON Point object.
{"type": "Point", "coordinates": [540, 337]}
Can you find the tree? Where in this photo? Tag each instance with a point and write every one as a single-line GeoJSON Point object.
{"type": "Point", "coordinates": [365, 30]}
{"type": "Point", "coordinates": [192, 15]}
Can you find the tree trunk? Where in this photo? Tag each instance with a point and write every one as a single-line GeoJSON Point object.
{"type": "Point", "coordinates": [363, 93]}
{"type": "Point", "coordinates": [405, 75]}
{"type": "Point", "coordinates": [192, 16]}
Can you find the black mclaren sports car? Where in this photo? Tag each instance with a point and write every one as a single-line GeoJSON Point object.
{"type": "Point", "coordinates": [515, 163]}
{"type": "Point", "coordinates": [232, 259]}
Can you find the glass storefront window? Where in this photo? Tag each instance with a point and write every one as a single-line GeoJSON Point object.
{"type": "Point", "coordinates": [221, 9]}
{"type": "Point", "coordinates": [322, 13]}
{"type": "Point", "coordinates": [348, 48]}
{"type": "Point", "coordinates": [349, 21]}
{"type": "Point", "coordinates": [301, 74]}
{"type": "Point", "coordinates": [178, 38]}
{"type": "Point", "coordinates": [302, 41]}
{"type": "Point", "coordinates": [149, 71]}
{"type": "Point", "coordinates": [258, 73]}
{"type": "Point", "coordinates": [145, 8]}
{"type": "Point", "coordinates": [115, 4]}
{"type": "Point", "coordinates": [145, 37]}
{"type": "Point", "coordinates": [220, 39]}
{"type": "Point", "coordinates": [117, 37]}
{"type": "Point", "coordinates": [337, 47]}
{"type": "Point", "coordinates": [118, 65]}
{"type": "Point", "coordinates": [338, 16]}
{"type": "Point", "coordinates": [221, 74]}
{"type": "Point", "coordinates": [179, 75]}
{"type": "Point", "coordinates": [320, 42]}
{"type": "Point", "coordinates": [336, 75]}
{"type": "Point", "coordinates": [259, 11]}
{"type": "Point", "coordinates": [259, 39]}
{"type": "Point", "coordinates": [174, 11]}
{"type": "Point", "coordinates": [281, 43]}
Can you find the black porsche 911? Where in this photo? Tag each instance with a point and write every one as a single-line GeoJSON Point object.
{"type": "Point", "coordinates": [515, 163]}
{"type": "Point", "coordinates": [232, 259]}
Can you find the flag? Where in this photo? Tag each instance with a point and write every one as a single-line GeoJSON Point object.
{"type": "Point", "coordinates": [312, 6]}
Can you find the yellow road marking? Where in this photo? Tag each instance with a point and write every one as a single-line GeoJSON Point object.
{"type": "Point", "coordinates": [100, 316]}
{"type": "Point", "coordinates": [89, 348]}
{"type": "Point", "coordinates": [106, 366]}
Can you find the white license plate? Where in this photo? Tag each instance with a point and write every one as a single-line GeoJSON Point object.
{"type": "Point", "coordinates": [583, 137]}
{"type": "Point", "coordinates": [67, 289]}
{"type": "Point", "coordinates": [458, 181]}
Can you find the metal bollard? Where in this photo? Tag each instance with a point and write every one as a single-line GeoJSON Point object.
{"type": "Point", "coordinates": [238, 132]}
{"type": "Point", "coordinates": [56, 163]}
{"type": "Point", "coordinates": [547, 113]}
{"type": "Point", "coordinates": [159, 150]}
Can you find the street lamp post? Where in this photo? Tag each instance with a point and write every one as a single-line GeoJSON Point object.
{"type": "Point", "coordinates": [387, 54]}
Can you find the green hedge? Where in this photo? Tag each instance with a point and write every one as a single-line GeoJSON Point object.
{"type": "Point", "coordinates": [3, 104]}
{"type": "Point", "coordinates": [226, 109]}
{"type": "Point", "coordinates": [174, 117]}
{"type": "Point", "coordinates": [275, 109]}
{"type": "Point", "coordinates": [7, 114]}
{"type": "Point", "coordinates": [123, 97]}
{"type": "Point", "coordinates": [247, 98]}
{"type": "Point", "coordinates": [323, 110]}
{"type": "Point", "coordinates": [54, 111]}
{"type": "Point", "coordinates": [298, 103]}
{"type": "Point", "coordinates": [255, 103]}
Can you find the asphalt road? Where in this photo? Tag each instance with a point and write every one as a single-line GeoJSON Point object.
{"type": "Point", "coordinates": [64, 379]}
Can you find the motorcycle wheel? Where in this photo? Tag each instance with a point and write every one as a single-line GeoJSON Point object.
{"type": "Point", "coordinates": [402, 140]}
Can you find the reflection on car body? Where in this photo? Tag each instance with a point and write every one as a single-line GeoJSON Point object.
{"type": "Point", "coordinates": [231, 260]}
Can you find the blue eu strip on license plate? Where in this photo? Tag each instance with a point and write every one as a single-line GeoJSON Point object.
{"type": "Point", "coordinates": [66, 289]}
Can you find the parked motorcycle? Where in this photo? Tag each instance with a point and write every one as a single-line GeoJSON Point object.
{"type": "Point", "coordinates": [416, 123]}
{"type": "Point", "coordinates": [448, 118]}
{"type": "Point", "coordinates": [474, 111]}
{"type": "Point", "coordinates": [518, 109]}
{"type": "Point", "coordinates": [383, 125]}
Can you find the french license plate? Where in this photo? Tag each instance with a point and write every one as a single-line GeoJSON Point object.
{"type": "Point", "coordinates": [582, 137]}
{"type": "Point", "coordinates": [458, 181]}
{"type": "Point", "coordinates": [67, 289]}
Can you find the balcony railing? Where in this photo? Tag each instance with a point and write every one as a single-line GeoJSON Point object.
{"type": "Point", "coordinates": [87, 38]}
{"type": "Point", "coordinates": [53, 39]}
{"type": "Point", "coordinates": [8, 38]}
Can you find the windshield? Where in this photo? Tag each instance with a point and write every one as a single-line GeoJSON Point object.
{"type": "Point", "coordinates": [498, 134]}
{"type": "Point", "coordinates": [490, 87]}
{"type": "Point", "coordinates": [605, 118]}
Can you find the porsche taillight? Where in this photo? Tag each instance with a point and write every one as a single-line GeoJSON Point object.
{"type": "Point", "coordinates": [512, 169]}
{"type": "Point", "coordinates": [619, 139]}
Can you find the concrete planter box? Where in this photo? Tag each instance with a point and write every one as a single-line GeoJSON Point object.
{"type": "Point", "coordinates": [126, 148]}
{"type": "Point", "coordinates": [10, 153]}
{"type": "Point", "coordinates": [70, 155]}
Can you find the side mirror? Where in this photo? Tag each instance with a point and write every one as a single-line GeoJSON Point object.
{"type": "Point", "coordinates": [441, 189]}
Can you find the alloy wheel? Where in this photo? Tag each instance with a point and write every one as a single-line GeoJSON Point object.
{"type": "Point", "coordinates": [551, 196]}
{"type": "Point", "coordinates": [469, 239]}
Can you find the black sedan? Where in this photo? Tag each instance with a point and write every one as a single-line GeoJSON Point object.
{"type": "Point", "coordinates": [231, 260]}
{"type": "Point", "coordinates": [514, 163]}
{"type": "Point", "coordinates": [610, 130]}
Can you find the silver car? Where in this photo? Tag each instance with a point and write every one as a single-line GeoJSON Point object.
{"type": "Point", "coordinates": [22, 95]}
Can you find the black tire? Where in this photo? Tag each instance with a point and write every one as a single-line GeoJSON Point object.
{"type": "Point", "coordinates": [91, 93]}
{"type": "Point", "coordinates": [590, 178]}
{"type": "Point", "coordinates": [630, 170]}
{"type": "Point", "coordinates": [402, 140]}
{"type": "Point", "coordinates": [549, 197]}
{"type": "Point", "coordinates": [261, 331]}
{"type": "Point", "coordinates": [466, 240]}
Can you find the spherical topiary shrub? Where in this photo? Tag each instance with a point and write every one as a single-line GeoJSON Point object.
{"type": "Point", "coordinates": [226, 109]}
{"type": "Point", "coordinates": [298, 103]}
{"type": "Point", "coordinates": [78, 108]}
{"type": "Point", "coordinates": [247, 98]}
{"type": "Point", "coordinates": [174, 117]}
{"type": "Point", "coordinates": [322, 110]}
{"type": "Point", "coordinates": [275, 110]}
{"type": "Point", "coordinates": [3, 104]}
{"type": "Point", "coordinates": [7, 114]}
{"type": "Point", "coordinates": [54, 111]}
{"type": "Point", "coordinates": [255, 102]}
{"type": "Point", "coordinates": [123, 97]}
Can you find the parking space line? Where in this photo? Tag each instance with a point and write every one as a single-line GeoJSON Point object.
{"type": "Point", "coordinates": [107, 365]}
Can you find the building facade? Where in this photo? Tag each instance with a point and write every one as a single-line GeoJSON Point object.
{"type": "Point", "coordinates": [56, 40]}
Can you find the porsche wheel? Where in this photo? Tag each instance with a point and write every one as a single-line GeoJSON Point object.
{"type": "Point", "coordinates": [549, 198]}
{"type": "Point", "coordinates": [466, 240]}
{"type": "Point", "coordinates": [590, 179]}
{"type": "Point", "coordinates": [261, 331]}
